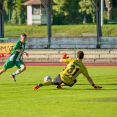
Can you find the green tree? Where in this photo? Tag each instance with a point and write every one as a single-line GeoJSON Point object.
{"type": "Point", "coordinates": [8, 7]}
{"type": "Point", "coordinates": [18, 11]}
{"type": "Point", "coordinates": [14, 11]}
{"type": "Point", "coordinates": [13, 17]}
{"type": "Point", "coordinates": [87, 9]}
{"type": "Point", "coordinates": [114, 9]}
{"type": "Point", "coordinates": [66, 11]}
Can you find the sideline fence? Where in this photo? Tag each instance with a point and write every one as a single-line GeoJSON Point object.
{"type": "Point", "coordinates": [73, 45]}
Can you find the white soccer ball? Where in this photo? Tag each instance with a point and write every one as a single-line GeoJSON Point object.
{"type": "Point", "coordinates": [47, 78]}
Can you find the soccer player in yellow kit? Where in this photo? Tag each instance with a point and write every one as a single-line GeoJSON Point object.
{"type": "Point", "coordinates": [69, 74]}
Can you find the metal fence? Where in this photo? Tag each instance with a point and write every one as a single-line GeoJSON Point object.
{"type": "Point", "coordinates": [64, 43]}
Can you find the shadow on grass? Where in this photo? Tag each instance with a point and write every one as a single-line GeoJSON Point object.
{"type": "Point", "coordinates": [63, 87]}
{"type": "Point", "coordinates": [106, 99]}
{"type": "Point", "coordinates": [99, 84]}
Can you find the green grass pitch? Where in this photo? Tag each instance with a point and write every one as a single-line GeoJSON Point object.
{"type": "Point", "coordinates": [82, 100]}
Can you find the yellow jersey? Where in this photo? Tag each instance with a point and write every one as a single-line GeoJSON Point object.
{"type": "Point", "coordinates": [72, 70]}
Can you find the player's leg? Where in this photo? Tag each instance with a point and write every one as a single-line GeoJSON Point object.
{"type": "Point", "coordinates": [21, 67]}
{"type": "Point", "coordinates": [73, 83]}
{"type": "Point", "coordinates": [57, 81]}
{"type": "Point", "coordinates": [2, 70]}
{"type": "Point", "coordinates": [8, 64]}
{"type": "Point", "coordinates": [63, 84]}
{"type": "Point", "coordinates": [47, 83]}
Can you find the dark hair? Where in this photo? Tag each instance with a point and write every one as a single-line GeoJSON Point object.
{"type": "Point", "coordinates": [80, 54]}
{"type": "Point", "coordinates": [24, 35]}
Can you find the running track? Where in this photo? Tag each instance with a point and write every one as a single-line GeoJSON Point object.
{"type": "Point", "coordinates": [63, 64]}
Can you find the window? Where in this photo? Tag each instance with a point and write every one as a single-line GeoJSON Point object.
{"type": "Point", "coordinates": [35, 9]}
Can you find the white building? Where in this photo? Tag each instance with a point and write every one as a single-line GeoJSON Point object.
{"type": "Point", "coordinates": [36, 12]}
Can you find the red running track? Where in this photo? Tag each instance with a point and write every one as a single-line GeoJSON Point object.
{"type": "Point", "coordinates": [63, 64]}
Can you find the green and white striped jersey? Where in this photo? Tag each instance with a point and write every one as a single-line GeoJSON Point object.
{"type": "Point", "coordinates": [15, 56]}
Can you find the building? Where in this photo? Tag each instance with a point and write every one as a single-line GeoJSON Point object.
{"type": "Point", "coordinates": [36, 12]}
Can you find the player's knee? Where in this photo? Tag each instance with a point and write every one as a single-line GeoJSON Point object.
{"type": "Point", "coordinates": [23, 67]}
{"type": "Point", "coordinates": [2, 70]}
{"type": "Point", "coordinates": [73, 83]}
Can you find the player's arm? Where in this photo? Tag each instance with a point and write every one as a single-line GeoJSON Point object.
{"type": "Point", "coordinates": [92, 83]}
{"type": "Point", "coordinates": [22, 58]}
{"type": "Point", "coordinates": [19, 50]}
{"type": "Point", "coordinates": [85, 73]}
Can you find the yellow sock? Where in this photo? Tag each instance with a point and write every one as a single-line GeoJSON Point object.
{"type": "Point", "coordinates": [62, 84]}
{"type": "Point", "coordinates": [47, 83]}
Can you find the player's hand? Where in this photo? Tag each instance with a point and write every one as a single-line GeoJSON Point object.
{"type": "Point", "coordinates": [26, 54]}
{"type": "Point", "coordinates": [97, 87]}
{"type": "Point", "coordinates": [36, 87]}
{"type": "Point", "coordinates": [64, 56]}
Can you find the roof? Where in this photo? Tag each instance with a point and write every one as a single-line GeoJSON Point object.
{"type": "Point", "coordinates": [35, 2]}
{"type": "Point", "coordinates": [32, 2]}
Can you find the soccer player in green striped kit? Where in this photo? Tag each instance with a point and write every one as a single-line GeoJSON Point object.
{"type": "Point", "coordinates": [15, 57]}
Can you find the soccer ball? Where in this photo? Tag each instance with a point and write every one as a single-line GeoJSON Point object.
{"type": "Point", "coordinates": [47, 78]}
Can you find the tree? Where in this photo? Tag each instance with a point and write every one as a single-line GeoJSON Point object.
{"type": "Point", "coordinates": [8, 7]}
{"type": "Point", "coordinates": [108, 4]}
{"type": "Point", "coordinates": [13, 17]}
{"type": "Point", "coordinates": [114, 9]}
{"type": "Point", "coordinates": [66, 11]}
{"type": "Point", "coordinates": [86, 8]}
{"type": "Point", "coordinates": [15, 12]}
{"type": "Point", "coordinates": [18, 11]}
